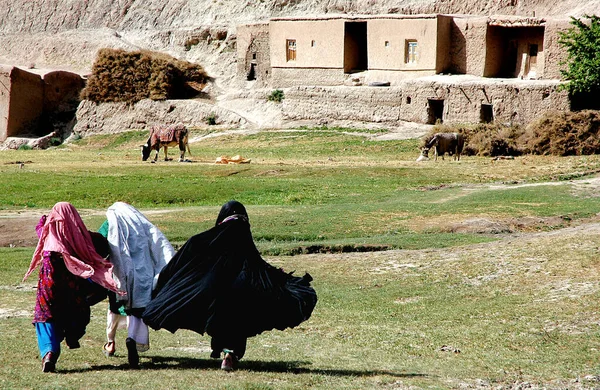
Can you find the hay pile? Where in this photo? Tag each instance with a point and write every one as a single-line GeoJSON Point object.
{"type": "Point", "coordinates": [555, 133]}
{"type": "Point", "coordinates": [121, 76]}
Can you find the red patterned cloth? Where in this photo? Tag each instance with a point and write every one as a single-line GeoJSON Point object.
{"type": "Point", "coordinates": [64, 233]}
{"type": "Point", "coordinates": [167, 133]}
{"type": "Point", "coordinates": [61, 295]}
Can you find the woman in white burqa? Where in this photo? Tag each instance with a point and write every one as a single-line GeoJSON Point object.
{"type": "Point", "coordinates": [138, 251]}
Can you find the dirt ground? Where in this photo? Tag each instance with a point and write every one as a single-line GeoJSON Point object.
{"type": "Point", "coordinates": [18, 229]}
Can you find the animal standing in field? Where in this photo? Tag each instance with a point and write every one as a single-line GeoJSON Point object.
{"type": "Point", "coordinates": [165, 136]}
{"type": "Point", "coordinates": [451, 143]}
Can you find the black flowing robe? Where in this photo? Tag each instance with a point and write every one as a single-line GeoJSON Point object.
{"type": "Point", "coordinates": [218, 284]}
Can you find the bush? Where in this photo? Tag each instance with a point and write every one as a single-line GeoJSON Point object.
{"type": "Point", "coordinates": [276, 96]}
{"type": "Point", "coordinates": [582, 42]}
{"type": "Point", "coordinates": [211, 119]}
{"type": "Point", "coordinates": [121, 76]}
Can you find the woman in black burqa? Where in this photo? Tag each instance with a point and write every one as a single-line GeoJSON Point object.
{"type": "Point", "coordinates": [218, 284]}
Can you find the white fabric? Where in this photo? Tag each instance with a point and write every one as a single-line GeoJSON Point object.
{"type": "Point", "coordinates": [138, 331]}
{"type": "Point", "coordinates": [113, 322]}
{"type": "Point", "coordinates": [139, 251]}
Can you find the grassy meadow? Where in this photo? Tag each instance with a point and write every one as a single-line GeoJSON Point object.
{"type": "Point", "coordinates": [470, 274]}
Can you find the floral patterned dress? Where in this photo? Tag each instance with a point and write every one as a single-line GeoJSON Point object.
{"type": "Point", "coordinates": [61, 299]}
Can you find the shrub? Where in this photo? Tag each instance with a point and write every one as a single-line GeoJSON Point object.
{"type": "Point", "coordinates": [211, 119]}
{"type": "Point", "coordinates": [276, 96]}
{"type": "Point", "coordinates": [582, 42]}
{"type": "Point", "coordinates": [121, 76]}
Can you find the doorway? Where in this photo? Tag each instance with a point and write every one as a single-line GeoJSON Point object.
{"type": "Point", "coordinates": [435, 111]}
{"type": "Point", "coordinates": [355, 47]}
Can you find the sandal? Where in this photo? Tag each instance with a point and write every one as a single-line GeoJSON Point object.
{"type": "Point", "coordinates": [109, 349]}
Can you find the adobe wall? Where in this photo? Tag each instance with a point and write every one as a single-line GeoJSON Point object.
{"type": "Point", "coordinates": [4, 100]}
{"type": "Point", "coordinates": [395, 77]}
{"type": "Point", "coordinates": [26, 103]}
{"type": "Point", "coordinates": [444, 44]}
{"type": "Point", "coordinates": [288, 77]}
{"type": "Point", "coordinates": [512, 101]}
{"type": "Point", "coordinates": [498, 60]}
{"type": "Point", "coordinates": [517, 102]}
{"type": "Point", "coordinates": [395, 32]}
{"type": "Point", "coordinates": [554, 53]}
{"type": "Point", "coordinates": [368, 104]}
{"type": "Point", "coordinates": [327, 51]}
{"type": "Point", "coordinates": [253, 54]}
{"type": "Point", "coordinates": [467, 52]}
{"type": "Point", "coordinates": [61, 91]}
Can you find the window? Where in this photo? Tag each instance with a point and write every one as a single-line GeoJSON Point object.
{"type": "Point", "coordinates": [411, 55]}
{"type": "Point", "coordinates": [533, 50]}
{"type": "Point", "coordinates": [291, 49]}
{"type": "Point", "coordinates": [387, 43]}
{"type": "Point", "coordinates": [313, 43]}
{"type": "Point", "coordinates": [486, 113]}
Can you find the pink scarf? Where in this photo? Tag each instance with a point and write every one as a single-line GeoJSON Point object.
{"type": "Point", "coordinates": [64, 232]}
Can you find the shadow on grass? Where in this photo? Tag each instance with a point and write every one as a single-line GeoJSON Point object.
{"type": "Point", "coordinates": [291, 367]}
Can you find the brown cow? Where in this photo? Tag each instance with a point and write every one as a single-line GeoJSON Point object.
{"type": "Point", "coordinates": [451, 143]}
{"type": "Point", "coordinates": [163, 136]}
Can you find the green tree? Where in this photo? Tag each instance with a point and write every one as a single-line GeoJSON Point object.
{"type": "Point", "coordinates": [582, 42]}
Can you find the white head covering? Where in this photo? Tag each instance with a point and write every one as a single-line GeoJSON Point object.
{"type": "Point", "coordinates": [139, 251]}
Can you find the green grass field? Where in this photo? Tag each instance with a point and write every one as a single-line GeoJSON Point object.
{"type": "Point", "coordinates": [490, 279]}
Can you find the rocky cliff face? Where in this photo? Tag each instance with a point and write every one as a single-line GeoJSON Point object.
{"type": "Point", "coordinates": [67, 33]}
{"type": "Point", "coordinates": [53, 16]}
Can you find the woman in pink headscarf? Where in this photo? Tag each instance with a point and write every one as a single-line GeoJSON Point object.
{"type": "Point", "coordinates": [69, 263]}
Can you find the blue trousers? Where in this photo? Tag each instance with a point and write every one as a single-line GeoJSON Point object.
{"type": "Point", "coordinates": [48, 338]}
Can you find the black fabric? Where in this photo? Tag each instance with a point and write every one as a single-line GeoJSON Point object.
{"type": "Point", "coordinates": [233, 207]}
{"type": "Point", "coordinates": [93, 291]}
{"type": "Point", "coordinates": [218, 284]}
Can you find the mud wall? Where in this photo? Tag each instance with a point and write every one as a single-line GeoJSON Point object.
{"type": "Point", "coordinates": [61, 91]}
{"type": "Point", "coordinates": [4, 101]}
{"type": "Point", "coordinates": [467, 51]}
{"type": "Point", "coordinates": [26, 103]}
{"type": "Point", "coordinates": [554, 52]}
{"type": "Point", "coordinates": [253, 56]}
{"type": "Point", "coordinates": [368, 104]}
{"type": "Point", "coordinates": [473, 102]}
{"type": "Point", "coordinates": [464, 102]}
{"type": "Point", "coordinates": [288, 77]}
